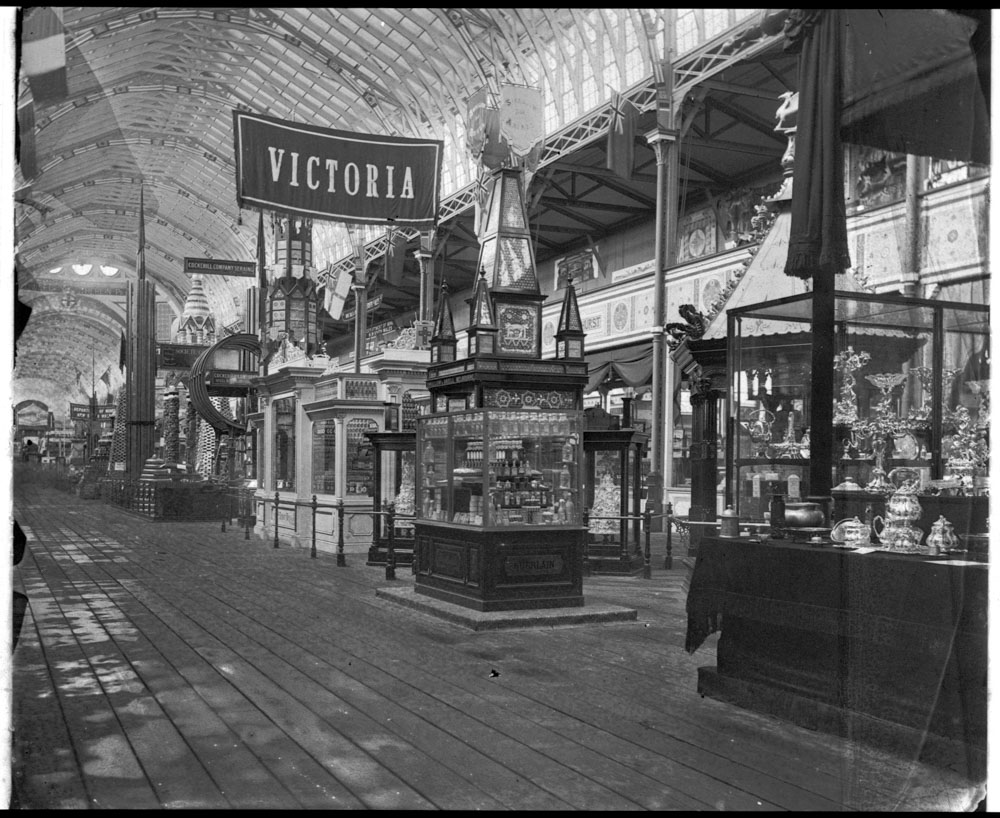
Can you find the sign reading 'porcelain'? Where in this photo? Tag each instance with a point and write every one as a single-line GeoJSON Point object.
{"type": "Point", "coordinates": [325, 174]}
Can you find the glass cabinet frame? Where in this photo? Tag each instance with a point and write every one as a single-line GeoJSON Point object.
{"type": "Point", "coordinates": [613, 489]}
{"type": "Point", "coordinates": [395, 484]}
{"type": "Point", "coordinates": [498, 468]}
{"type": "Point", "coordinates": [910, 388]}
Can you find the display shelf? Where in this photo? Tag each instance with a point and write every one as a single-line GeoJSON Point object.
{"type": "Point", "coordinates": [909, 387]}
{"type": "Point", "coordinates": [495, 468]}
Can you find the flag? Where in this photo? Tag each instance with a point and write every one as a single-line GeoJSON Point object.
{"type": "Point", "coordinates": [106, 377]}
{"type": "Point", "coordinates": [122, 353]}
{"type": "Point", "coordinates": [395, 255]}
{"type": "Point", "coordinates": [598, 259]}
{"type": "Point", "coordinates": [484, 186]}
{"type": "Point", "coordinates": [43, 54]}
{"type": "Point", "coordinates": [26, 156]}
{"type": "Point", "coordinates": [140, 259]}
{"type": "Point", "coordinates": [621, 136]}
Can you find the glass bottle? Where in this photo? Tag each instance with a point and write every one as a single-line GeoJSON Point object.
{"type": "Point", "coordinates": [564, 477]}
{"type": "Point", "coordinates": [569, 450]}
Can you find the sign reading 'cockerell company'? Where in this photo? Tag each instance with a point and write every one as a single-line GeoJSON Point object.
{"type": "Point", "coordinates": [220, 267]}
{"type": "Point", "coordinates": [336, 175]}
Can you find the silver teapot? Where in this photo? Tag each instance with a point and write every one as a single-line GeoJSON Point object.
{"type": "Point", "coordinates": [903, 503]}
{"type": "Point", "coordinates": [942, 537]}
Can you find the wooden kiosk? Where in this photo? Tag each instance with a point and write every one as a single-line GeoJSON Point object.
{"type": "Point", "coordinates": [499, 505]}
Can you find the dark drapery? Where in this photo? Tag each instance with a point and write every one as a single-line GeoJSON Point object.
{"type": "Point", "coordinates": [818, 238]}
{"type": "Point", "coordinates": [624, 366]}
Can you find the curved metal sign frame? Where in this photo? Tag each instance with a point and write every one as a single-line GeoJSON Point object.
{"type": "Point", "coordinates": [198, 390]}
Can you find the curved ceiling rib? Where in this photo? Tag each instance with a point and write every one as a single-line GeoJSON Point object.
{"type": "Point", "coordinates": [150, 95]}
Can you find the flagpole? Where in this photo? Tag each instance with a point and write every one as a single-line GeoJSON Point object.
{"type": "Point", "coordinates": [93, 402]}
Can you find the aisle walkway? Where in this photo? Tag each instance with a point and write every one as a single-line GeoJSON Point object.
{"type": "Point", "coordinates": [173, 665]}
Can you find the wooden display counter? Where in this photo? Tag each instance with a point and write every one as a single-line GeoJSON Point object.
{"type": "Point", "coordinates": [885, 648]}
{"type": "Point", "coordinates": [500, 570]}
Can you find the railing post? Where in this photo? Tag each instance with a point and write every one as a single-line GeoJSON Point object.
{"type": "Point", "coordinates": [390, 557]}
{"type": "Point", "coordinates": [623, 557]}
{"type": "Point", "coordinates": [586, 542]}
{"type": "Point", "coordinates": [312, 552]}
{"type": "Point", "coordinates": [341, 562]}
{"type": "Point", "coordinates": [247, 505]}
{"type": "Point", "coordinates": [668, 560]}
{"type": "Point", "coordinates": [276, 519]}
{"type": "Point", "coordinates": [225, 508]}
{"type": "Point", "coordinates": [647, 568]}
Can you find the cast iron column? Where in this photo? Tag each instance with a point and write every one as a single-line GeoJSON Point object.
{"type": "Point", "coordinates": [664, 144]}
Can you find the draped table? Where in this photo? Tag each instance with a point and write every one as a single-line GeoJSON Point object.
{"type": "Point", "coordinates": [881, 647]}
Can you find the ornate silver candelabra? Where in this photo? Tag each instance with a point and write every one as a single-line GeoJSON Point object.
{"type": "Point", "coordinates": [845, 409]}
{"type": "Point", "coordinates": [883, 423]}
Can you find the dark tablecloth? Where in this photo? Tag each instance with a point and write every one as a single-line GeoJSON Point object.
{"type": "Point", "coordinates": [895, 636]}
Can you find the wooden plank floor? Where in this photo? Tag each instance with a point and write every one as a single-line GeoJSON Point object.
{"type": "Point", "coordinates": [174, 665]}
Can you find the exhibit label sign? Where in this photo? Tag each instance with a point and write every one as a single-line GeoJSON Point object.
{"type": "Point", "coordinates": [220, 267]}
{"type": "Point", "coordinates": [337, 175]}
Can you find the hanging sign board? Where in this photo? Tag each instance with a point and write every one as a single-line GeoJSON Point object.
{"type": "Point", "coordinates": [228, 382]}
{"type": "Point", "coordinates": [373, 304]}
{"type": "Point", "coordinates": [220, 267]}
{"type": "Point", "coordinates": [83, 411]}
{"type": "Point", "coordinates": [522, 120]}
{"type": "Point", "coordinates": [337, 175]}
{"type": "Point", "coordinates": [177, 356]}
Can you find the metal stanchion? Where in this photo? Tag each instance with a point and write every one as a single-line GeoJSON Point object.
{"type": "Point", "coordinates": [390, 557]}
{"type": "Point", "coordinates": [225, 509]}
{"type": "Point", "coordinates": [247, 505]}
{"type": "Point", "coordinates": [340, 532]}
{"type": "Point", "coordinates": [312, 551]}
{"type": "Point", "coordinates": [647, 568]}
{"type": "Point", "coordinates": [586, 542]}
{"type": "Point", "coordinates": [623, 557]}
{"type": "Point", "coordinates": [668, 560]}
{"type": "Point", "coordinates": [276, 519]}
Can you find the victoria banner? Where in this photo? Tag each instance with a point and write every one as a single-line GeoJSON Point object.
{"type": "Point", "coordinates": [320, 173]}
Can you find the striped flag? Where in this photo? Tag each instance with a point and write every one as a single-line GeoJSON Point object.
{"type": "Point", "coordinates": [484, 186]}
{"type": "Point", "coordinates": [395, 255]}
{"type": "Point", "coordinates": [43, 53]}
{"type": "Point", "coordinates": [621, 136]}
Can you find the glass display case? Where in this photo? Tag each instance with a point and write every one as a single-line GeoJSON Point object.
{"type": "Point", "coordinates": [494, 468]}
{"type": "Point", "coordinates": [395, 483]}
{"type": "Point", "coordinates": [499, 508]}
{"type": "Point", "coordinates": [909, 387]}
{"type": "Point", "coordinates": [613, 497]}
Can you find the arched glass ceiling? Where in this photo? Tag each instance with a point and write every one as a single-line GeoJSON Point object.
{"type": "Point", "coordinates": [150, 96]}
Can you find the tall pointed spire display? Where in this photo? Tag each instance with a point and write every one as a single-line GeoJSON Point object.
{"type": "Point", "coordinates": [482, 324]}
{"type": "Point", "coordinates": [570, 334]}
{"type": "Point", "coordinates": [508, 261]}
{"type": "Point", "coordinates": [140, 361]}
{"type": "Point", "coordinates": [444, 344]}
{"type": "Point", "coordinates": [140, 258]}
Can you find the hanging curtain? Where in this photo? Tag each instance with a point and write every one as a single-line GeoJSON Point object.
{"type": "Point", "coordinates": [817, 244]}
